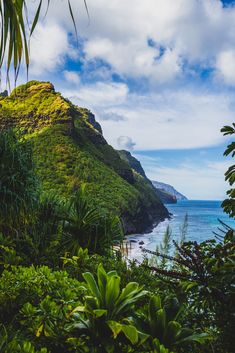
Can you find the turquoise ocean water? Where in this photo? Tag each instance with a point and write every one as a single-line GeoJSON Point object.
{"type": "Point", "coordinates": [202, 221]}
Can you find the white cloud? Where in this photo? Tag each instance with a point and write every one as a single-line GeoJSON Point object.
{"type": "Point", "coordinates": [135, 59]}
{"type": "Point", "coordinates": [48, 48]}
{"type": "Point", "coordinates": [126, 143]}
{"type": "Point", "coordinates": [99, 95]}
{"type": "Point", "coordinates": [118, 33]}
{"type": "Point", "coordinates": [204, 182]}
{"type": "Point", "coordinates": [185, 35]}
{"type": "Point", "coordinates": [110, 115]}
{"type": "Point", "coordinates": [72, 77]}
{"type": "Point", "coordinates": [226, 66]}
{"type": "Point", "coordinates": [168, 120]}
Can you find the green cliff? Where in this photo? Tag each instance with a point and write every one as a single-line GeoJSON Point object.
{"type": "Point", "coordinates": [69, 149]}
{"type": "Point", "coordinates": [163, 195]}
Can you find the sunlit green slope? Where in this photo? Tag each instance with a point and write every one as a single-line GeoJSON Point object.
{"type": "Point", "coordinates": [69, 149]}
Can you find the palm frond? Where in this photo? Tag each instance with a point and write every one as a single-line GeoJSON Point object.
{"type": "Point", "coordinates": [14, 36]}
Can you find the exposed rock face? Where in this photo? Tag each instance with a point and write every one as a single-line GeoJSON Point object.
{"type": "Point", "coordinates": [133, 162]}
{"type": "Point", "coordinates": [169, 189]}
{"type": "Point", "coordinates": [94, 123]}
{"type": "Point", "coordinates": [166, 193]}
{"type": "Point", "coordinates": [90, 118]}
{"type": "Point", "coordinates": [136, 166]}
{"type": "Point", "coordinates": [69, 149]}
{"type": "Point", "coordinates": [165, 196]}
{"type": "Point", "coordinates": [4, 93]}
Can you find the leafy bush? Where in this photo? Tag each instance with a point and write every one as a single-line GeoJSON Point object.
{"type": "Point", "coordinates": [162, 324]}
{"type": "Point", "coordinates": [205, 274]}
{"type": "Point", "coordinates": [17, 182]}
{"type": "Point", "coordinates": [85, 226]}
{"type": "Point", "coordinates": [44, 309]}
{"type": "Point", "coordinates": [229, 204]}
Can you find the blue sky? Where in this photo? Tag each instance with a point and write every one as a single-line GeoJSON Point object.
{"type": "Point", "coordinates": [159, 76]}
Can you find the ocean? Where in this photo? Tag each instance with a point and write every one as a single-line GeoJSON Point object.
{"type": "Point", "coordinates": [202, 221]}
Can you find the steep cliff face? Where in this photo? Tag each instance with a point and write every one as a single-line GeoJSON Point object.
{"type": "Point", "coordinates": [163, 195]}
{"type": "Point", "coordinates": [69, 149]}
{"type": "Point", "coordinates": [169, 189]}
{"type": "Point", "coordinates": [133, 162]}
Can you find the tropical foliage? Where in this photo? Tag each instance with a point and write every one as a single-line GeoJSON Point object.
{"type": "Point", "coordinates": [59, 291]}
{"type": "Point", "coordinates": [229, 204]}
{"type": "Point", "coordinates": [17, 181]}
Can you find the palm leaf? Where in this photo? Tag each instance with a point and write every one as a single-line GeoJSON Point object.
{"type": "Point", "coordinates": [14, 36]}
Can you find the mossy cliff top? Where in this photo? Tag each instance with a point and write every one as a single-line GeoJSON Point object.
{"type": "Point", "coordinates": [69, 149]}
{"type": "Point", "coordinates": [33, 106]}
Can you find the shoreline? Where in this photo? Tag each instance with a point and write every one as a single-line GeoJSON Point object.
{"type": "Point", "coordinates": [202, 221]}
{"type": "Point", "coordinates": [133, 243]}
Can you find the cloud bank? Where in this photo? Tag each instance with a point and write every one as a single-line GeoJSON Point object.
{"type": "Point", "coordinates": [158, 74]}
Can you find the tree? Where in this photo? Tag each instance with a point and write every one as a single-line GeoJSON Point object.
{"type": "Point", "coordinates": [85, 226]}
{"type": "Point", "coordinates": [17, 182]}
{"type": "Point", "coordinates": [229, 203]}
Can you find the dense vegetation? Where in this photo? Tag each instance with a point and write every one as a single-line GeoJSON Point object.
{"type": "Point", "coordinates": [65, 286]}
{"type": "Point", "coordinates": [68, 149]}
{"type": "Point", "coordinates": [58, 289]}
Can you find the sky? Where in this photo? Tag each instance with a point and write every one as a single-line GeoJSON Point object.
{"type": "Point", "coordinates": [158, 74]}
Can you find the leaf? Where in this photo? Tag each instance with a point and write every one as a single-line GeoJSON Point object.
{"type": "Point", "coordinates": [100, 312]}
{"type": "Point", "coordinates": [39, 330]}
{"type": "Point", "coordinates": [130, 288]}
{"type": "Point", "coordinates": [154, 305]}
{"type": "Point", "coordinates": [35, 21]}
{"type": "Point", "coordinates": [90, 280]}
{"type": "Point", "coordinates": [102, 281]}
{"type": "Point", "coordinates": [172, 330]}
{"type": "Point", "coordinates": [80, 309]}
{"type": "Point", "coordinates": [112, 291]}
{"type": "Point", "coordinates": [91, 302]}
{"type": "Point", "coordinates": [72, 16]}
{"type": "Point", "coordinates": [115, 327]}
{"type": "Point", "coordinates": [131, 333]}
{"type": "Point", "coordinates": [161, 322]}
{"type": "Point", "coordinates": [199, 338]}
{"type": "Point", "coordinates": [142, 337]}
{"type": "Point", "coordinates": [228, 130]}
{"type": "Point", "coordinates": [230, 149]}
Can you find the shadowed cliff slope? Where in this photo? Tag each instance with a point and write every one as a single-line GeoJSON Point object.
{"type": "Point", "coordinates": [169, 189]}
{"type": "Point", "coordinates": [163, 195]}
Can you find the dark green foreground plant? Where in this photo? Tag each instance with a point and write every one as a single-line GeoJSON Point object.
{"type": "Point", "coordinates": [205, 273]}
{"type": "Point", "coordinates": [84, 226]}
{"type": "Point", "coordinates": [53, 311]}
{"type": "Point", "coordinates": [229, 203]}
{"type": "Point", "coordinates": [89, 307]}
{"type": "Point", "coordinates": [17, 183]}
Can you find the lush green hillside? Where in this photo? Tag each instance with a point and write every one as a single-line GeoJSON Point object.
{"type": "Point", "coordinates": [69, 149]}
